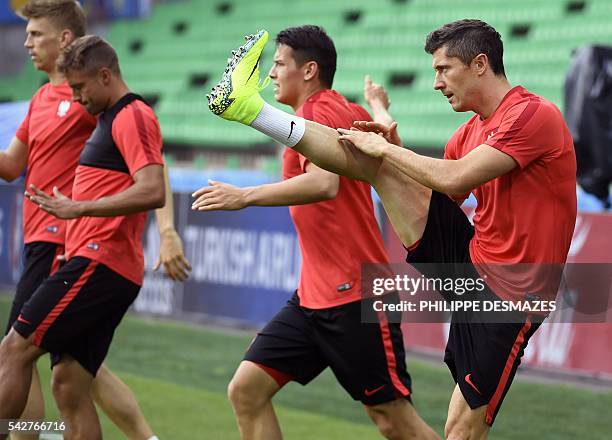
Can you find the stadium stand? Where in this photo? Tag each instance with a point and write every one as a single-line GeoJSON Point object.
{"type": "Point", "coordinates": [173, 57]}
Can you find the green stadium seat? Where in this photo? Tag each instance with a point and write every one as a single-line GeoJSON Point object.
{"type": "Point", "coordinates": [185, 44]}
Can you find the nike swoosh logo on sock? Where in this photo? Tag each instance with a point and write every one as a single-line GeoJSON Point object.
{"type": "Point", "coordinates": [291, 131]}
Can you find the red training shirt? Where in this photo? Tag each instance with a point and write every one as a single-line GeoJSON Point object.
{"type": "Point", "coordinates": [528, 214]}
{"type": "Point", "coordinates": [127, 139]}
{"type": "Point", "coordinates": [335, 236]}
{"type": "Point", "coordinates": [55, 130]}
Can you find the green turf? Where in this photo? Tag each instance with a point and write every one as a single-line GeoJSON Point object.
{"type": "Point", "coordinates": [179, 373]}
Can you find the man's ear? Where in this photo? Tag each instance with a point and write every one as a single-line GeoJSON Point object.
{"type": "Point", "coordinates": [66, 37]}
{"type": "Point", "coordinates": [480, 63]}
{"type": "Point", "coordinates": [104, 75]}
{"type": "Point", "coordinates": [311, 70]}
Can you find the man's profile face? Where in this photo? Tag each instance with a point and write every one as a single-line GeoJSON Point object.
{"type": "Point", "coordinates": [88, 90]}
{"type": "Point", "coordinates": [286, 76]}
{"type": "Point", "coordinates": [454, 79]}
{"type": "Point", "coordinates": [43, 43]}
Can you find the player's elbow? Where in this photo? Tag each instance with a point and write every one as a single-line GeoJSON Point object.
{"type": "Point", "coordinates": [329, 188]}
{"type": "Point", "coordinates": [159, 200]}
{"type": "Point", "coordinates": [455, 183]}
{"type": "Point", "coordinates": [9, 177]}
{"type": "Point", "coordinates": [9, 173]}
{"type": "Point", "coordinates": [456, 189]}
{"type": "Point", "coordinates": [156, 197]}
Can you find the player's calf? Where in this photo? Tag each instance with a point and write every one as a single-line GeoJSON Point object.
{"type": "Point", "coordinates": [71, 386]}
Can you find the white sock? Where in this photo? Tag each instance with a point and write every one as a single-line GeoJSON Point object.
{"type": "Point", "coordinates": [280, 126]}
{"type": "Point", "coordinates": [153, 438]}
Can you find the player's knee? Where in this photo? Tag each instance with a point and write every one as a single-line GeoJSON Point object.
{"type": "Point", "coordinates": [385, 422]}
{"type": "Point", "coordinates": [67, 394]}
{"type": "Point", "coordinates": [388, 429]}
{"type": "Point", "coordinates": [16, 349]}
{"type": "Point", "coordinates": [243, 395]}
{"type": "Point", "coordinates": [237, 392]}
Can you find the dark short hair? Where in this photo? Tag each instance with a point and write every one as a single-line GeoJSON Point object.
{"type": "Point", "coordinates": [465, 39]}
{"type": "Point", "coordinates": [65, 14]}
{"type": "Point", "coordinates": [89, 53]}
{"type": "Point", "coordinates": [311, 43]}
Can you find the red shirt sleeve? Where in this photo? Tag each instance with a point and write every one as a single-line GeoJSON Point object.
{"type": "Point", "coordinates": [22, 131]}
{"type": "Point", "coordinates": [450, 150]}
{"type": "Point", "coordinates": [524, 132]}
{"type": "Point", "coordinates": [138, 136]}
{"type": "Point", "coordinates": [360, 112]}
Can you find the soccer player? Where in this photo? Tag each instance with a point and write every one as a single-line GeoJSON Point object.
{"type": "Point", "coordinates": [515, 154]}
{"type": "Point", "coordinates": [49, 142]}
{"type": "Point", "coordinates": [321, 325]}
{"type": "Point", "coordinates": [74, 312]}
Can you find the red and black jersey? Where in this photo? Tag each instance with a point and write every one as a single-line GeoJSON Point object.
{"type": "Point", "coordinates": [55, 130]}
{"type": "Point", "coordinates": [126, 139]}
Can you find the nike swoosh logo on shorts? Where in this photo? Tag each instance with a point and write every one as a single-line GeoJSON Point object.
{"type": "Point", "coordinates": [368, 393]}
{"type": "Point", "coordinates": [470, 383]}
{"type": "Point", "coordinates": [25, 321]}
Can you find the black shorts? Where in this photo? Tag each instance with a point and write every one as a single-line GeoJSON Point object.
{"type": "Point", "coordinates": [367, 359]}
{"type": "Point", "coordinates": [39, 261]}
{"type": "Point", "coordinates": [76, 311]}
{"type": "Point", "coordinates": [482, 356]}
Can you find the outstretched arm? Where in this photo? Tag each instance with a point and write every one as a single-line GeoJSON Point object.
{"type": "Point", "coordinates": [315, 185]}
{"type": "Point", "coordinates": [453, 177]}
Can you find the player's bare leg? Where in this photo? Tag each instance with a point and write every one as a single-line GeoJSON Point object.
{"type": "Point", "coordinates": [120, 405]}
{"type": "Point", "coordinates": [236, 98]}
{"type": "Point", "coordinates": [72, 391]}
{"type": "Point", "coordinates": [405, 200]}
{"type": "Point", "coordinates": [18, 356]}
{"type": "Point", "coordinates": [250, 393]}
{"type": "Point", "coordinates": [35, 407]}
{"type": "Point", "coordinates": [398, 420]}
{"type": "Point", "coordinates": [464, 423]}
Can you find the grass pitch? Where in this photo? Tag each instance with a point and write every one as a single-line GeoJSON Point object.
{"type": "Point", "coordinates": [179, 374]}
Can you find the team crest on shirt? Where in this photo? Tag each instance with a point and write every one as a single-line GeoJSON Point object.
{"type": "Point", "coordinates": [93, 246]}
{"type": "Point", "coordinates": [52, 229]}
{"type": "Point", "coordinates": [63, 108]}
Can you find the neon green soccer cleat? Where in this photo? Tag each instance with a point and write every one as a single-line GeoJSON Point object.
{"type": "Point", "coordinates": [236, 96]}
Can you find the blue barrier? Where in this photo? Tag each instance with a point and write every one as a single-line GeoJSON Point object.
{"type": "Point", "coordinates": [246, 264]}
{"type": "Point", "coordinates": [11, 115]}
{"type": "Point", "coordinates": [11, 233]}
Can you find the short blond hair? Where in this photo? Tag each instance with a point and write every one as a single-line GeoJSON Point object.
{"type": "Point", "coordinates": [65, 14]}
